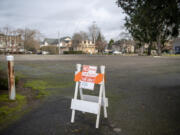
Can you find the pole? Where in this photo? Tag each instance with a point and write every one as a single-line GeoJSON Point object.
{"type": "Point", "coordinates": [59, 42]}
{"type": "Point", "coordinates": [11, 78]}
{"type": "Point", "coordinates": [78, 66]}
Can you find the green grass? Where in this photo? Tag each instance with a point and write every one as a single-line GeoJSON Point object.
{"type": "Point", "coordinates": [43, 87]}
{"type": "Point", "coordinates": [36, 84]}
{"type": "Point", "coordinates": [10, 110]}
{"type": "Point", "coordinates": [39, 86]}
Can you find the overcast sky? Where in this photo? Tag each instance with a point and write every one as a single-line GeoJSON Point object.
{"type": "Point", "coordinates": [65, 16]}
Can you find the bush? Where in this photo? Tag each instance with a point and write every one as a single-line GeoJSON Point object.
{"type": "Point", "coordinates": [50, 49]}
{"type": "Point", "coordinates": [1, 52]}
{"type": "Point", "coordinates": [73, 52]}
{"type": "Point", "coordinates": [4, 80]}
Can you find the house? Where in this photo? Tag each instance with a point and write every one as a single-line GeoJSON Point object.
{"type": "Point", "coordinates": [176, 46]}
{"type": "Point", "coordinates": [124, 46]}
{"type": "Point", "coordinates": [64, 43]}
{"type": "Point", "coordinates": [50, 41]}
{"type": "Point", "coordinates": [10, 43]}
{"type": "Point", "coordinates": [86, 46]}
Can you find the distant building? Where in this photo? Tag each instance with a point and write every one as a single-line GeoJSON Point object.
{"type": "Point", "coordinates": [176, 46]}
{"type": "Point", "coordinates": [86, 46]}
{"type": "Point", "coordinates": [49, 41]}
{"type": "Point", "coordinates": [64, 43]}
{"type": "Point", "coordinates": [10, 43]}
{"type": "Point", "coordinates": [124, 46]}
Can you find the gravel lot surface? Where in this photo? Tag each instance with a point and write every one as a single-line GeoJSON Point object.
{"type": "Point", "coordinates": [143, 92]}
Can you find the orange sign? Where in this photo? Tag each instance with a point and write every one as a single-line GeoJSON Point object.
{"type": "Point", "coordinates": [89, 75]}
{"type": "Point", "coordinates": [90, 69]}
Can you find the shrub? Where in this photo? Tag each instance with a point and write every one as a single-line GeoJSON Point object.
{"type": "Point", "coordinates": [4, 80]}
{"type": "Point", "coordinates": [50, 49]}
{"type": "Point", "coordinates": [73, 52]}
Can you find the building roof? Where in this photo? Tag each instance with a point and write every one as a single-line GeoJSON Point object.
{"type": "Point", "coordinates": [51, 41]}
{"type": "Point", "coordinates": [67, 38]}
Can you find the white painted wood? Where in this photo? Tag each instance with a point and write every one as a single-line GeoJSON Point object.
{"type": "Point", "coordinates": [99, 111]}
{"type": "Point", "coordinates": [87, 85]}
{"type": "Point", "coordinates": [72, 116]}
{"type": "Point", "coordinates": [85, 106]}
{"type": "Point", "coordinates": [78, 66]}
{"type": "Point", "coordinates": [81, 94]}
{"type": "Point", "coordinates": [12, 93]}
{"type": "Point", "coordinates": [89, 103]}
{"type": "Point", "coordinates": [95, 99]}
{"type": "Point", "coordinates": [106, 102]}
{"type": "Point", "coordinates": [10, 58]}
{"type": "Point", "coordinates": [102, 68]}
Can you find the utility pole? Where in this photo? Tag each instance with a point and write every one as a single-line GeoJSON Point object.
{"type": "Point", "coordinates": [94, 32]}
{"type": "Point", "coordinates": [59, 42]}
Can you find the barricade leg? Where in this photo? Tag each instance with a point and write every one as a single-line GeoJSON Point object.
{"type": "Point", "coordinates": [72, 116]}
{"type": "Point", "coordinates": [75, 97]}
{"type": "Point", "coordinates": [105, 109]}
{"type": "Point", "coordinates": [100, 101]}
{"type": "Point", "coordinates": [97, 120]}
{"type": "Point", "coordinates": [78, 66]}
{"type": "Point", "coordinates": [81, 95]}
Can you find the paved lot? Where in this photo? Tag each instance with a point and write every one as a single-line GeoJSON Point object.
{"type": "Point", "coordinates": [143, 96]}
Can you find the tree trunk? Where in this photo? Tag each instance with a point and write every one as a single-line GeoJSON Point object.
{"type": "Point", "coordinates": [142, 49]}
{"type": "Point", "coordinates": [149, 49]}
{"type": "Point", "coordinates": [159, 48]}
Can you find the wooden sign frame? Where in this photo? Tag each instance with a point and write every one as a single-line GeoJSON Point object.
{"type": "Point", "coordinates": [89, 103]}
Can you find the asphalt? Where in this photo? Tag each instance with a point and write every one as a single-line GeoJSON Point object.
{"type": "Point", "coordinates": [143, 96]}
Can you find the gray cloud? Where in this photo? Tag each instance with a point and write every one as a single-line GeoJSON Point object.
{"type": "Point", "coordinates": [51, 16]}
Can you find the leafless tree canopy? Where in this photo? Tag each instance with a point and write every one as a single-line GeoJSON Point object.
{"type": "Point", "coordinates": [93, 32]}
{"type": "Point", "coordinates": [31, 38]}
{"type": "Point", "coordinates": [76, 39]}
{"type": "Point", "coordinates": [84, 35]}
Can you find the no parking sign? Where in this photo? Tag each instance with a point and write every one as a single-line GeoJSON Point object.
{"type": "Point", "coordinates": [86, 79]}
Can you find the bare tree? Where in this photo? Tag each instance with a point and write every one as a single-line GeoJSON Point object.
{"type": "Point", "coordinates": [31, 39]}
{"type": "Point", "coordinates": [76, 39]}
{"type": "Point", "coordinates": [93, 32]}
{"type": "Point", "coordinates": [84, 35]}
{"type": "Point", "coordinates": [6, 32]}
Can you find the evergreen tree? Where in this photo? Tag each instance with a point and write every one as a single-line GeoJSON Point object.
{"type": "Point", "coordinates": [100, 44]}
{"type": "Point", "coordinates": [110, 44]}
{"type": "Point", "coordinates": [152, 21]}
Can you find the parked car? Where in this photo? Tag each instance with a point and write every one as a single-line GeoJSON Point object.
{"type": "Point", "coordinates": [45, 52]}
{"type": "Point", "coordinates": [29, 52]}
{"type": "Point", "coordinates": [117, 52]}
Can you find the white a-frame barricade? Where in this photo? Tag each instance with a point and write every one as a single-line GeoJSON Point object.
{"type": "Point", "coordinates": [86, 79]}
